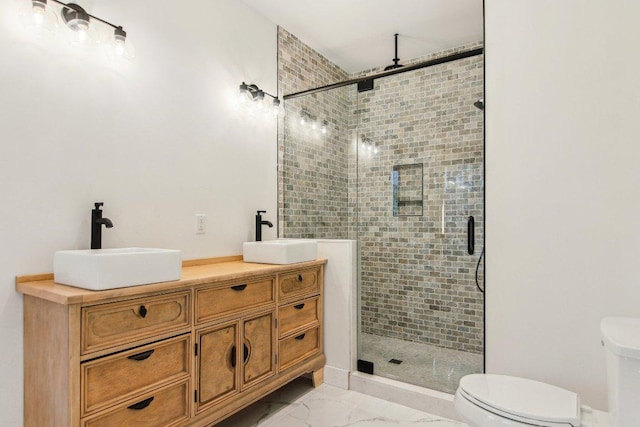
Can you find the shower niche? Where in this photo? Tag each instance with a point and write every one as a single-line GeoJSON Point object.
{"type": "Point", "coordinates": [407, 190]}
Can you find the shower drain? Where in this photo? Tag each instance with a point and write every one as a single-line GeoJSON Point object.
{"type": "Point", "coordinates": [395, 361]}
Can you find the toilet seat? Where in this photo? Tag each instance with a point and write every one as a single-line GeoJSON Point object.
{"type": "Point", "coordinates": [522, 400]}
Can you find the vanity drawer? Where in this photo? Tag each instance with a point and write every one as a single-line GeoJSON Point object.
{"type": "Point", "coordinates": [117, 323]}
{"type": "Point", "coordinates": [299, 315]}
{"type": "Point", "coordinates": [221, 301]}
{"type": "Point", "coordinates": [298, 347]}
{"type": "Point", "coordinates": [299, 283]}
{"type": "Point", "coordinates": [166, 407]}
{"type": "Point", "coordinates": [109, 380]}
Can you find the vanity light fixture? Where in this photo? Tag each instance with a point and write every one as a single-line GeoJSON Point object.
{"type": "Point", "coordinates": [368, 147]}
{"type": "Point", "coordinates": [254, 93]}
{"type": "Point", "coordinates": [78, 20]}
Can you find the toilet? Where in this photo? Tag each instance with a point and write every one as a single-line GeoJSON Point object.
{"type": "Point", "coordinates": [488, 400]}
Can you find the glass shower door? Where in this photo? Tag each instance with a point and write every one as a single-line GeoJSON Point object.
{"type": "Point", "coordinates": [419, 180]}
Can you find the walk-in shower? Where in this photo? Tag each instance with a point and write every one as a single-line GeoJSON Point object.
{"type": "Point", "coordinates": [397, 163]}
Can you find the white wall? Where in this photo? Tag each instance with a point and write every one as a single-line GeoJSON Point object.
{"type": "Point", "coordinates": [157, 140]}
{"type": "Point", "coordinates": [562, 185]}
{"type": "Point", "coordinates": [340, 309]}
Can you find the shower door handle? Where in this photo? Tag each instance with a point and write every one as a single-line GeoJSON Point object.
{"type": "Point", "coordinates": [471, 235]}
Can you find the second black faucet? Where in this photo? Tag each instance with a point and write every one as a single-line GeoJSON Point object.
{"type": "Point", "coordinates": [259, 224]}
{"type": "Point", "coordinates": [97, 221]}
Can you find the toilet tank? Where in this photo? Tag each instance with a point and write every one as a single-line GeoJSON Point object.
{"type": "Point", "coordinates": [621, 340]}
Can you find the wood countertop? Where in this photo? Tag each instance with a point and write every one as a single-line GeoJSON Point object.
{"type": "Point", "coordinates": [193, 273]}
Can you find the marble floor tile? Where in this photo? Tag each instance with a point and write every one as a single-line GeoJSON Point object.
{"type": "Point", "coordinates": [300, 405]}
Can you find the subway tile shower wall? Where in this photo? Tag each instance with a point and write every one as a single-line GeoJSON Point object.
{"type": "Point", "coordinates": [417, 280]}
{"type": "Point", "coordinates": [313, 176]}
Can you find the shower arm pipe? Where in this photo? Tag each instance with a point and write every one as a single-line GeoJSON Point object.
{"type": "Point", "coordinates": [396, 59]}
{"type": "Point", "coordinates": [404, 69]}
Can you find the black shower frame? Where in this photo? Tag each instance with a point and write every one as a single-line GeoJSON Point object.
{"type": "Point", "coordinates": [404, 69]}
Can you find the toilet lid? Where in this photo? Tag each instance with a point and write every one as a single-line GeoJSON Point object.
{"type": "Point", "coordinates": [522, 399]}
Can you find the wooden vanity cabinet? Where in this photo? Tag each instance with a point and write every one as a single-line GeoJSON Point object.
{"type": "Point", "coordinates": [184, 353]}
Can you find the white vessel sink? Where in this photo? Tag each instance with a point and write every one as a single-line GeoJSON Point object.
{"type": "Point", "coordinates": [281, 251]}
{"type": "Point", "coordinates": [99, 269]}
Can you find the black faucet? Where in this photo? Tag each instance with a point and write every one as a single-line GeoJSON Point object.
{"type": "Point", "coordinates": [96, 226]}
{"type": "Point", "coordinates": [259, 224]}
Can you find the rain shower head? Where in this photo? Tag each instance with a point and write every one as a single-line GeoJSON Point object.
{"type": "Point", "coordinates": [396, 59]}
{"type": "Point", "coordinates": [479, 104]}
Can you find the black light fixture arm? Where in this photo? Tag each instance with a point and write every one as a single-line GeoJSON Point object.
{"type": "Point", "coordinates": [76, 7]}
{"type": "Point", "coordinates": [252, 88]}
{"type": "Point", "coordinates": [267, 93]}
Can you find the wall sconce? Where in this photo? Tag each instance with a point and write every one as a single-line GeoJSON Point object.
{"type": "Point", "coordinates": [42, 16]}
{"type": "Point", "coordinates": [254, 93]}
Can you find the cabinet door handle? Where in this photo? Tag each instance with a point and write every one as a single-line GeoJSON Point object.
{"type": "Point", "coordinates": [233, 356]}
{"type": "Point", "coordinates": [141, 356]}
{"type": "Point", "coordinates": [141, 405]}
{"type": "Point", "coordinates": [299, 306]}
{"type": "Point", "coordinates": [143, 311]}
{"type": "Point", "coordinates": [245, 356]}
{"type": "Point", "coordinates": [299, 277]}
{"type": "Point", "coordinates": [300, 337]}
{"type": "Point", "coordinates": [239, 287]}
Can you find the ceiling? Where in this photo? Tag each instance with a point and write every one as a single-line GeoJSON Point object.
{"type": "Point", "coordinates": [358, 34]}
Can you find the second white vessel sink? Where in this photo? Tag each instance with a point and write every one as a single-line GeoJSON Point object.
{"type": "Point", "coordinates": [281, 251]}
{"type": "Point", "coordinates": [99, 269]}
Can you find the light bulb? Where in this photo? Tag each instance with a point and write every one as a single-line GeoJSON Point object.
{"type": "Point", "coordinates": [77, 19]}
{"type": "Point", "coordinates": [302, 121]}
{"type": "Point", "coordinates": [38, 14]}
{"type": "Point", "coordinates": [324, 130]}
{"type": "Point", "coordinates": [120, 38]}
{"type": "Point", "coordinates": [375, 151]}
{"type": "Point", "coordinates": [314, 126]}
{"type": "Point", "coordinates": [119, 47]}
{"type": "Point", "coordinates": [38, 17]}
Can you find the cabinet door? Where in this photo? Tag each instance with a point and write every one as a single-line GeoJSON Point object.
{"type": "Point", "coordinates": [217, 361]}
{"type": "Point", "coordinates": [259, 344]}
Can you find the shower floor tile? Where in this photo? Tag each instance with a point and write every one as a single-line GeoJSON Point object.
{"type": "Point", "coordinates": [424, 365]}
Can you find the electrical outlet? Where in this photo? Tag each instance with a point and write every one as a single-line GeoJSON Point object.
{"type": "Point", "coordinates": [201, 223]}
